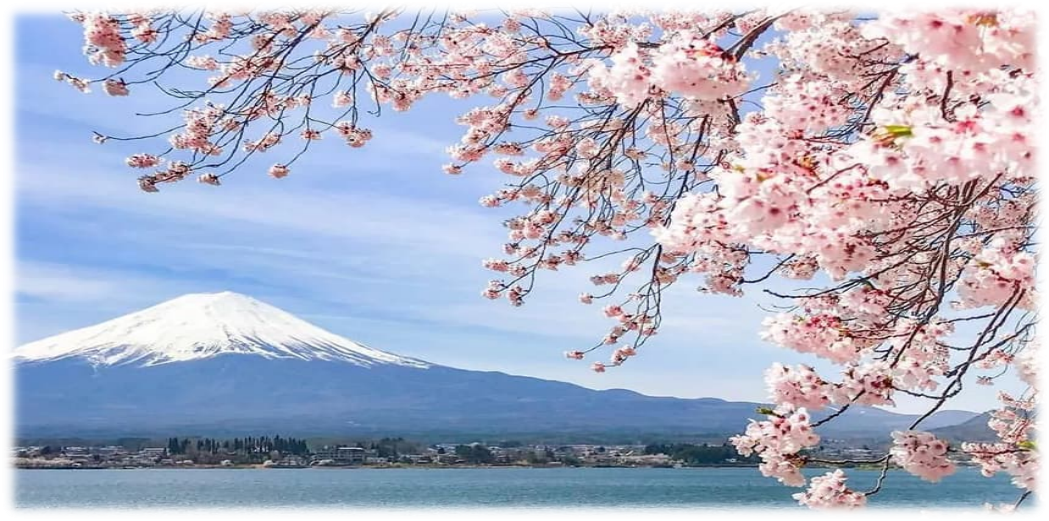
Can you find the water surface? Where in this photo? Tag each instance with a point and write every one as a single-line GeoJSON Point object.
{"type": "Point", "coordinates": [495, 487]}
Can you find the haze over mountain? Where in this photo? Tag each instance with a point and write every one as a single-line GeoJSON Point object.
{"type": "Point", "coordinates": [225, 362]}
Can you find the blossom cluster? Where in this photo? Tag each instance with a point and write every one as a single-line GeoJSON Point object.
{"type": "Point", "coordinates": [921, 454]}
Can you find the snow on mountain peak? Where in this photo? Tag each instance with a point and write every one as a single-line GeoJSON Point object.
{"type": "Point", "coordinates": [202, 325]}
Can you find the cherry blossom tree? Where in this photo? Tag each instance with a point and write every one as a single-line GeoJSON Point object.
{"type": "Point", "coordinates": [887, 159]}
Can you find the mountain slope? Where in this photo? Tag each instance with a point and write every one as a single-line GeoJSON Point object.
{"type": "Point", "coordinates": [977, 429]}
{"type": "Point", "coordinates": [203, 325]}
{"type": "Point", "coordinates": [229, 363]}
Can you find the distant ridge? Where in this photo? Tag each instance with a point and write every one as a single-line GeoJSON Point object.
{"type": "Point", "coordinates": [225, 362]}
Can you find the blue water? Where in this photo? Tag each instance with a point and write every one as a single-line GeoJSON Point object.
{"type": "Point", "coordinates": [497, 487]}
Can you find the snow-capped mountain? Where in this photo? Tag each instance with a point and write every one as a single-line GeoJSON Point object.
{"type": "Point", "coordinates": [204, 325]}
{"type": "Point", "coordinates": [227, 363]}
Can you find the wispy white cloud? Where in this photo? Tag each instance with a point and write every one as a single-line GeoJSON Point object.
{"type": "Point", "coordinates": [58, 283]}
{"type": "Point", "coordinates": [385, 219]}
{"type": "Point", "coordinates": [54, 297]}
{"type": "Point", "coordinates": [75, 285]}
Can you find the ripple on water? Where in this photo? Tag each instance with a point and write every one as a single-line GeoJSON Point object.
{"type": "Point", "coordinates": [496, 487]}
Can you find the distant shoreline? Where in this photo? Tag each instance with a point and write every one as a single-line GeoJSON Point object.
{"type": "Point", "coordinates": [430, 467]}
{"type": "Point", "coordinates": [374, 467]}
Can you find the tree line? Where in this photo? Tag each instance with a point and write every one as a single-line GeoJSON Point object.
{"type": "Point", "coordinates": [704, 454]}
{"type": "Point", "coordinates": [245, 445]}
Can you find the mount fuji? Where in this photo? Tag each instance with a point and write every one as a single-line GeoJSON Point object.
{"type": "Point", "coordinates": [224, 363]}
{"type": "Point", "coordinates": [204, 325]}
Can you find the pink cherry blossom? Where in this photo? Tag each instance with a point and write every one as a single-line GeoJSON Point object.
{"type": "Point", "coordinates": [1023, 465]}
{"type": "Point", "coordinates": [799, 386]}
{"type": "Point", "coordinates": [620, 355]}
{"type": "Point", "coordinates": [1027, 364]}
{"type": "Point", "coordinates": [142, 161]}
{"type": "Point", "coordinates": [777, 441]}
{"type": "Point", "coordinates": [697, 68]}
{"type": "Point", "coordinates": [830, 491]}
{"type": "Point", "coordinates": [921, 454]}
{"type": "Point", "coordinates": [202, 62]}
{"type": "Point", "coordinates": [104, 43]}
{"type": "Point", "coordinates": [115, 87]}
{"type": "Point", "coordinates": [210, 179]}
{"type": "Point", "coordinates": [78, 83]}
{"type": "Point", "coordinates": [342, 99]}
{"type": "Point", "coordinates": [278, 171]}
{"type": "Point", "coordinates": [628, 79]}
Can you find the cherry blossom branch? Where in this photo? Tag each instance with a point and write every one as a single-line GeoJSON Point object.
{"type": "Point", "coordinates": [887, 159]}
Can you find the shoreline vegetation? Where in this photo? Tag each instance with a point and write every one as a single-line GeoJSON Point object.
{"type": "Point", "coordinates": [277, 452]}
{"type": "Point", "coordinates": [402, 466]}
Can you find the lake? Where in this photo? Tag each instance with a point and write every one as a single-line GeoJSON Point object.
{"type": "Point", "coordinates": [495, 487]}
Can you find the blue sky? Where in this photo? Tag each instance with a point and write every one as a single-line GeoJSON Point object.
{"type": "Point", "coordinates": [375, 244]}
